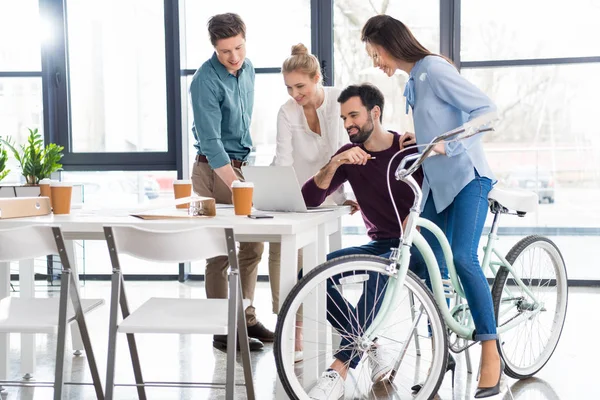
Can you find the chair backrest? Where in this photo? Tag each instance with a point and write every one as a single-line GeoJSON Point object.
{"type": "Point", "coordinates": [27, 242]}
{"type": "Point", "coordinates": [169, 245]}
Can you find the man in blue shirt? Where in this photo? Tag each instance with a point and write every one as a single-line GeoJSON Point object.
{"type": "Point", "coordinates": [222, 97]}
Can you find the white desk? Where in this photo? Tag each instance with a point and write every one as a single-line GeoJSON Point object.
{"type": "Point", "coordinates": [316, 233]}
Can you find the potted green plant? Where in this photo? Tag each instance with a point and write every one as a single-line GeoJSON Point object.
{"type": "Point", "coordinates": [36, 161]}
{"type": "Point", "coordinates": [3, 160]}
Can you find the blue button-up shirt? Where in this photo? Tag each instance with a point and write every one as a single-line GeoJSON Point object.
{"type": "Point", "coordinates": [222, 106]}
{"type": "Point", "coordinates": [443, 100]}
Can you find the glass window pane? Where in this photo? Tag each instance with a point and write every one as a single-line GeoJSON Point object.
{"type": "Point", "coordinates": [20, 108]}
{"type": "Point", "coordinates": [350, 57]}
{"type": "Point", "coordinates": [117, 75]}
{"type": "Point", "coordinates": [497, 30]}
{"type": "Point", "coordinates": [272, 28]}
{"type": "Point", "coordinates": [21, 32]}
{"type": "Point", "coordinates": [352, 64]}
{"type": "Point", "coordinates": [121, 189]}
{"type": "Point", "coordinates": [269, 95]}
{"type": "Point", "coordinates": [548, 139]}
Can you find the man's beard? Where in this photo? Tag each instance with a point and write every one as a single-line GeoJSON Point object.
{"type": "Point", "coordinates": [364, 133]}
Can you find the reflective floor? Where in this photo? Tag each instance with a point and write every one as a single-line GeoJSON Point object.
{"type": "Point", "coordinates": [572, 372]}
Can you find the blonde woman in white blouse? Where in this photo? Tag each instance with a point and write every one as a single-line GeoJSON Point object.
{"type": "Point", "coordinates": [309, 132]}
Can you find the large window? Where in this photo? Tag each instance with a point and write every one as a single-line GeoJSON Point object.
{"type": "Point", "coordinates": [513, 29]}
{"type": "Point", "coordinates": [117, 76]}
{"type": "Point", "coordinates": [20, 74]}
{"type": "Point", "coordinates": [543, 75]}
{"type": "Point", "coordinates": [268, 45]}
{"type": "Point", "coordinates": [547, 139]}
{"type": "Point", "coordinates": [351, 62]}
{"type": "Point", "coordinates": [272, 28]}
{"type": "Point", "coordinates": [21, 31]}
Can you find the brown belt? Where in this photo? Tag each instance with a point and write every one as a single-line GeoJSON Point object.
{"type": "Point", "coordinates": [236, 163]}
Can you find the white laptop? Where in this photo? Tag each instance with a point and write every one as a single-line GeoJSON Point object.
{"type": "Point", "coordinates": [277, 189]}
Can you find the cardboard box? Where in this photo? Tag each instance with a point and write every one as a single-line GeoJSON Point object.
{"type": "Point", "coordinates": [17, 207]}
{"type": "Point", "coordinates": [9, 191]}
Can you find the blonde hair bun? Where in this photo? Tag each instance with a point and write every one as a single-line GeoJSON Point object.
{"type": "Point", "coordinates": [302, 61]}
{"type": "Point", "coordinates": [299, 49]}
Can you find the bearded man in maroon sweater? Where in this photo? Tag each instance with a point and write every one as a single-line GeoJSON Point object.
{"type": "Point", "coordinates": [363, 163]}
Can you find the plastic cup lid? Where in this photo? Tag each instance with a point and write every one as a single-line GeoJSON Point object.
{"type": "Point", "coordinates": [240, 184]}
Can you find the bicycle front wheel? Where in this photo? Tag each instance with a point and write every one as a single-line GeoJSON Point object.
{"type": "Point", "coordinates": [332, 307]}
{"type": "Point", "coordinates": [528, 346]}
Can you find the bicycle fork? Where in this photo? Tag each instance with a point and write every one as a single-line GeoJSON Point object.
{"type": "Point", "coordinates": [412, 332]}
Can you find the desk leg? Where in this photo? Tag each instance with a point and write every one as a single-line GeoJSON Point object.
{"type": "Point", "coordinates": [27, 286]}
{"type": "Point", "coordinates": [335, 240]}
{"type": "Point", "coordinates": [4, 337]}
{"type": "Point", "coordinates": [288, 275]}
{"type": "Point", "coordinates": [76, 339]}
{"type": "Point", "coordinates": [326, 337]}
{"type": "Point", "coordinates": [287, 279]}
{"type": "Point", "coordinates": [314, 356]}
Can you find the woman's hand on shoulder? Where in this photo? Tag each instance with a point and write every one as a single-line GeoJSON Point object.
{"type": "Point", "coordinates": [407, 139]}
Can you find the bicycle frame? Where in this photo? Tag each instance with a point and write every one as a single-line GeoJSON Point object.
{"type": "Point", "coordinates": [399, 264]}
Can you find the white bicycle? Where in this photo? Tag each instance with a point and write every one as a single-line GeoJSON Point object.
{"type": "Point", "coordinates": [391, 309]}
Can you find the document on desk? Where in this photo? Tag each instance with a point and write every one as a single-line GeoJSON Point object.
{"type": "Point", "coordinates": [199, 207]}
{"type": "Point", "coordinates": [167, 214]}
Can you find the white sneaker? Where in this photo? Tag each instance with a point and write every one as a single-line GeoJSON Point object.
{"type": "Point", "coordinates": [330, 386]}
{"type": "Point", "coordinates": [381, 363]}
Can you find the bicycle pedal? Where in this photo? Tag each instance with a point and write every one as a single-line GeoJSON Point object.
{"type": "Point", "coordinates": [448, 288]}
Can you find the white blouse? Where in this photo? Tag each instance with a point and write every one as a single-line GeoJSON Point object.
{"type": "Point", "coordinates": [302, 148]}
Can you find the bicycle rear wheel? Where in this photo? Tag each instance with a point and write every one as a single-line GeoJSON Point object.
{"type": "Point", "coordinates": [527, 347]}
{"type": "Point", "coordinates": [403, 337]}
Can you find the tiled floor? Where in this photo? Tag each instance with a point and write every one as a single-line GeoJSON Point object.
{"type": "Point", "coordinates": [572, 373]}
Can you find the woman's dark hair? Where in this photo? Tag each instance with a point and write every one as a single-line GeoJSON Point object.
{"type": "Point", "coordinates": [224, 26]}
{"type": "Point", "coordinates": [369, 95]}
{"type": "Point", "coordinates": [394, 37]}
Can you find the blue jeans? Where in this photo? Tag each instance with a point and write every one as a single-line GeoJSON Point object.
{"type": "Point", "coordinates": [341, 314]}
{"type": "Point", "coordinates": [462, 222]}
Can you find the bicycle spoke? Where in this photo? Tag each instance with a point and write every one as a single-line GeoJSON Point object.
{"type": "Point", "coordinates": [377, 299]}
{"type": "Point", "coordinates": [350, 308]}
{"type": "Point", "coordinates": [342, 308]}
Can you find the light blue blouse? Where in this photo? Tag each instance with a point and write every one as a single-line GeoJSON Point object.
{"type": "Point", "coordinates": [441, 100]}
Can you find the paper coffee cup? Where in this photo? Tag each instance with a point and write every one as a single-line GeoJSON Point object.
{"type": "Point", "coordinates": [182, 188]}
{"type": "Point", "coordinates": [242, 197]}
{"type": "Point", "coordinates": [45, 187]}
{"type": "Point", "coordinates": [60, 197]}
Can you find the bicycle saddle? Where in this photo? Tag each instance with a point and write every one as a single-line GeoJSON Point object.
{"type": "Point", "coordinates": [522, 201]}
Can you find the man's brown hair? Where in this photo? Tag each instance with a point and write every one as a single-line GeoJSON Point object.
{"type": "Point", "coordinates": [223, 26]}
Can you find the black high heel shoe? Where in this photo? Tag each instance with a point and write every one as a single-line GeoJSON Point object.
{"type": "Point", "coordinates": [450, 366]}
{"type": "Point", "coordinates": [490, 391]}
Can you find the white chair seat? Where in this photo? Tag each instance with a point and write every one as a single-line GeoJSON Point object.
{"type": "Point", "coordinates": [168, 315]}
{"type": "Point", "coordinates": [515, 199]}
{"type": "Point", "coordinates": [37, 315]}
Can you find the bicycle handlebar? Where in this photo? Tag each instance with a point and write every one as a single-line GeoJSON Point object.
{"type": "Point", "coordinates": [477, 125]}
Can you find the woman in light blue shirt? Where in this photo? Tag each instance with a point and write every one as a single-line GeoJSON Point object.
{"type": "Point", "coordinates": [457, 182]}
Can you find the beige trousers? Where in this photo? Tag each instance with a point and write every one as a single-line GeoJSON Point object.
{"type": "Point", "coordinates": [206, 182]}
{"type": "Point", "coordinates": [275, 272]}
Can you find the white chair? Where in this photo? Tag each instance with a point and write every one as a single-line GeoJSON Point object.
{"type": "Point", "coordinates": [179, 315]}
{"type": "Point", "coordinates": [46, 315]}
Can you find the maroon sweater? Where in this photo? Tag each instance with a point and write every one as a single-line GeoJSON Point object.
{"type": "Point", "coordinates": [370, 188]}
